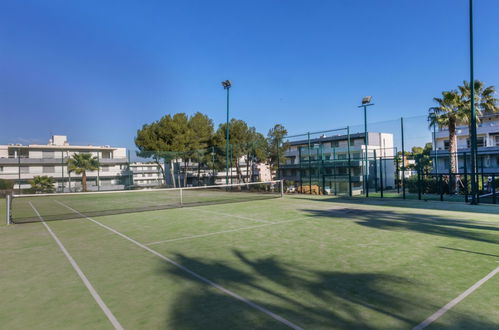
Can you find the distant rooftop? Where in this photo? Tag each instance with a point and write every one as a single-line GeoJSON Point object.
{"type": "Point", "coordinates": [60, 142]}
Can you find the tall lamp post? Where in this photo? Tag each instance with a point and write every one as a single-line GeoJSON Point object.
{"type": "Point", "coordinates": [366, 102]}
{"type": "Point", "coordinates": [474, 188]}
{"type": "Point", "coordinates": [227, 85]}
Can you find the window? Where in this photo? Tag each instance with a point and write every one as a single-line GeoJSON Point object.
{"type": "Point", "coordinates": [23, 153]}
{"type": "Point", "coordinates": [106, 154]}
{"type": "Point", "coordinates": [480, 142]}
{"type": "Point", "coordinates": [335, 144]}
{"type": "Point", "coordinates": [49, 169]}
{"type": "Point", "coordinates": [496, 140]}
{"type": "Point", "coordinates": [48, 155]}
{"type": "Point", "coordinates": [1, 168]}
{"type": "Point", "coordinates": [446, 144]}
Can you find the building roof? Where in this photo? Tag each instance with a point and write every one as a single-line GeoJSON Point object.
{"type": "Point", "coordinates": [328, 139]}
{"type": "Point", "coordinates": [59, 147]}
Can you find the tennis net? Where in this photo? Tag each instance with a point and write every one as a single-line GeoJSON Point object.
{"type": "Point", "coordinates": [61, 206]}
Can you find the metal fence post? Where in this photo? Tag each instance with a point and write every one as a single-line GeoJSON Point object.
{"type": "Point", "coordinates": [375, 172]}
{"type": "Point", "coordinates": [349, 163]}
{"type": "Point", "coordinates": [403, 156]}
{"type": "Point", "coordinates": [309, 166]}
{"type": "Point", "coordinates": [397, 172]}
{"type": "Point", "coordinates": [465, 179]}
{"type": "Point", "coordinates": [19, 170]}
{"type": "Point", "coordinates": [440, 188]}
{"type": "Point", "coordinates": [494, 201]}
{"type": "Point", "coordinates": [381, 183]}
{"type": "Point", "coordinates": [419, 182]}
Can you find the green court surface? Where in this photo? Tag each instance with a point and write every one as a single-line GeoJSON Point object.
{"type": "Point", "coordinates": [306, 262]}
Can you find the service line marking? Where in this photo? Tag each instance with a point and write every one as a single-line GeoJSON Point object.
{"type": "Point", "coordinates": [192, 273]}
{"type": "Point", "coordinates": [80, 273]}
{"type": "Point", "coordinates": [455, 301]}
{"type": "Point", "coordinates": [223, 231]}
{"type": "Point", "coordinates": [233, 216]}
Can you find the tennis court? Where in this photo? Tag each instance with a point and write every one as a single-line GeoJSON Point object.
{"type": "Point", "coordinates": [306, 262]}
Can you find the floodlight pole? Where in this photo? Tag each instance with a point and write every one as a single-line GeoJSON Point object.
{"type": "Point", "coordinates": [227, 85]}
{"type": "Point", "coordinates": [474, 190]}
{"type": "Point", "coordinates": [366, 143]}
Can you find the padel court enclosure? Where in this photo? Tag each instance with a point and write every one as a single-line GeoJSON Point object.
{"type": "Point", "coordinates": [298, 261]}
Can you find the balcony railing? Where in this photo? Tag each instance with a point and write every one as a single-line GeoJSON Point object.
{"type": "Point", "coordinates": [55, 161]}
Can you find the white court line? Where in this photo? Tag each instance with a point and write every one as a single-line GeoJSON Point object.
{"type": "Point", "coordinates": [234, 216]}
{"type": "Point", "coordinates": [223, 231]}
{"type": "Point", "coordinates": [455, 301]}
{"type": "Point", "coordinates": [192, 273]}
{"type": "Point", "coordinates": [85, 280]}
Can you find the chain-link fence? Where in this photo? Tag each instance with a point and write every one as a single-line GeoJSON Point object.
{"type": "Point", "coordinates": [402, 158]}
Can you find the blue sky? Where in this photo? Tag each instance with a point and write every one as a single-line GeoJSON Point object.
{"type": "Point", "coordinates": [97, 70]}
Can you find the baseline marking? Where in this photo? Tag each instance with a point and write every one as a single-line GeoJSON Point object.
{"type": "Point", "coordinates": [192, 273]}
{"type": "Point", "coordinates": [85, 280]}
{"type": "Point", "coordinates": [455, 301]}
{"type": "Point", "coordinates": [235, 216]}
{"type": "Point", "coordinates": [222, 232]}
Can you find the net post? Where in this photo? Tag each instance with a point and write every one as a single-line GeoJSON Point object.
{"type": "Point", "coordinates": [181, 197]}
{"type": "Point", "coordinates": [8, 199]}
{"type": "Point", "coordinates": [281, 186]}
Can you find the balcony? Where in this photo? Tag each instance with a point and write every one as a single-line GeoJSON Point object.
{"type": "Point", "coordinates": [55, 161]}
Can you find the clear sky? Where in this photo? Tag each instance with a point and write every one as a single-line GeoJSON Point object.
{"type": "Point", "coordinates": [97, 70]}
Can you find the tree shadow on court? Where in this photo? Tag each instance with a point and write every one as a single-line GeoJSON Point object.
{"type": "Point", "coordinates": [408, 203]}
{"type": "Point", "coordinates": [472, 252]}
{"type": "Point", "coordinates": [422, 223]}
{"type": "Point", "coordinates": [306, 297]}
{"type": "Point", "coordinates": [309, 298]}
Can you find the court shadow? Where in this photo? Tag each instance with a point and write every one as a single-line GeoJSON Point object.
{"type": "Point", "coordinates": [428, 224]}
{"type": "Point", "coordinates": [306, 297]}
{"type": "Point", "coordinates": [408, 203]}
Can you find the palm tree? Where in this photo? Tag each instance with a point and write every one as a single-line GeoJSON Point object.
{"type": "Point", "coordinates": [43, 184]}
{"type": "Point", "coordinates": [449, 113]}
{"type": "Point", "coordinates": [80, 164]}
{"type": "Point", "coordinates": [485, 100]}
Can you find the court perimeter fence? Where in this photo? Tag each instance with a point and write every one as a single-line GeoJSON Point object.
{"type": "Point", "coordinates": [404, 158]}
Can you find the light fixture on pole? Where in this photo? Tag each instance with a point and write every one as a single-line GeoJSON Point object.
{"type": "Point", "coordinates": [227, 85]}
{"type": "Point", "coordinates": [366, 102]}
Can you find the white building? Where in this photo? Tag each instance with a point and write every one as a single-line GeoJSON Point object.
{"type": "Point", "coordinates": [21, 163]}
{"type": "Point", "coordinates": [330, 163]}
{"type": "Point", "coordinates": [147, 175]}
{"type": "Point", "coordinates": [487, 143]}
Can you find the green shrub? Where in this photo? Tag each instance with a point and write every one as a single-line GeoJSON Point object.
{"type": "Point", "coordinates": [6, 184]}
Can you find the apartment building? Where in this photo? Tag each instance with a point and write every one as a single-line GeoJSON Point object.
{"type": "Point", "coordinates": [21, 163]}
{"type": "Point", "coordinates": [487, 143]}
{"type": "Point", "coordinates": [337, 167]}
{"type": "Point", "coordinates": [147, 175]}
{"type": "Point", "coordinates": [206, 174]}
